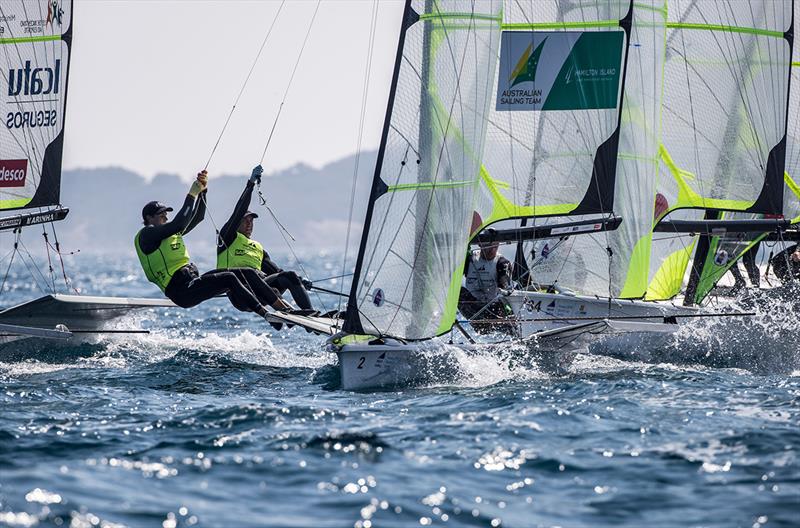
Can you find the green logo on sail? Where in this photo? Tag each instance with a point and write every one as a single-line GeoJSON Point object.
{"type": "Point", "coordinates": [526, 67]}
{"type": "Point", "coordinates": [576, 70]}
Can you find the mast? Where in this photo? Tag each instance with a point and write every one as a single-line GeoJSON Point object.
{"type": "Point", "coordinates": [424, 162]}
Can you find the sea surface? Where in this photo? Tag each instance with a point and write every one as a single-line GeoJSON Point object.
{"type": "Point", "coordinates": [216, 419]}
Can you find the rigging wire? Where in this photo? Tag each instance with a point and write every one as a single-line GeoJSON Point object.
{"type": "Point", "coordinates": [291, 78]}
{"type": "Point", "coordinates": [364, 97]}
{"type": "Point", "coordinates": [244, 84]}
{"type": "Point", "coordinates": [49, 261]}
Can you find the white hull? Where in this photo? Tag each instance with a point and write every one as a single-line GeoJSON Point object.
{"type": "Point", "coordinates": [390, 363]}
{"type": "Point", "coordinates": [551, 344]}
{"type": "Point", "coordinates": [366, 366]}
{"type": "Point", "coordinates": [537, 312]}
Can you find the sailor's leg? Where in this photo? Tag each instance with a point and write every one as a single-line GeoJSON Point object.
{"type": "Point", "coordinates": [749, 260]}
{"type": "Point", "coordinates": [288, 280]}
{"type": "Point", "coordinates": [739, 282]}
{"type": "Point", "coordinates": [468, 305]}
{"type": "Point", "coordinates": [255, 281]}
{"type": "Point", "coordinates": [216, 282]}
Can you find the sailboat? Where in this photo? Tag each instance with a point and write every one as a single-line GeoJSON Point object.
{"type": "Point", "coordinates": [702, 132]}
{"type": "Point", "coordinates": [731, 182]}
{"type": "Point", "coordinates": [36, 40]}
{"type": "Point", "coordinates": [467, 134]}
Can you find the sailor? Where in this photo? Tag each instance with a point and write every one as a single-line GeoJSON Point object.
{"type": "Point", "coordinates": [165, 259]}
{"type": "Point", "coordinates": [238, 252]}
{"type": "Point", "coordinates": [786, 264]}
{"type": "Point", "coordinates": [487, 273]}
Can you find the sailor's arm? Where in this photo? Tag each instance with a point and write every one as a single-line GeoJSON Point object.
{"type": "Point", "coordinates": [199, 211]}
{"type": "Point", "coordinates": [228, 232]}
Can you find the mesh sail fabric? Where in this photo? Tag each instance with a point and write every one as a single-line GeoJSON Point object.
{"type": "Point", "coordinates": [540, 163]}
{"type": "Point", "coordinates": [425, 188]}
{"type": "Point", "coordinates": [35, 41]}
{"type": "Point", "coordinates": [723, 120]}
{"type": "Point", "coordinates": [581, 263]}
{"type": "Point", "coordinates": [725, 94]}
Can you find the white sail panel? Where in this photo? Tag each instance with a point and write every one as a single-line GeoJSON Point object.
{"type": "Point", "coordinates": [34, 63]}
{"type": "Point", "coordinates": [542, 162]}
{"type": "Point", "coordinates": [581, 263]}
{"type": "Point", "coordinates": [424, 193]}
{"type": "Point", "coordinates": [725, 95]}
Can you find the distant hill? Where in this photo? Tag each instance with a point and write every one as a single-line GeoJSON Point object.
{"type": "Point", "coordinates": [105, 206]}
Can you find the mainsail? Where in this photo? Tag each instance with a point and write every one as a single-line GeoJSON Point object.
{"type": "Point", "coordinates": [615, 263]}
{"type": "Point", "coordinates": [723, 124]}
{"type": "Point", "coordinates": [35, 38]}
{"type": "Point", "coordinates": [427, 172]}
{"type": "Point", "coordinates": [725, 251]}
{"type": "Point", "coordinates": [481, 124]}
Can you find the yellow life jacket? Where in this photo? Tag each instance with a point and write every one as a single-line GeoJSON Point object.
{"type": "Point", "coordinates": [160, 265]}
{"type": "Point", "coordinates": [242, 253]}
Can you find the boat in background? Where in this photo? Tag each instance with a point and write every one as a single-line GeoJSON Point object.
{"type": "Point", "coordinates": [36, 40]}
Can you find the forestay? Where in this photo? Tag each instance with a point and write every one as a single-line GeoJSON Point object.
{"type": "Point", "coordinates": [35, 38]}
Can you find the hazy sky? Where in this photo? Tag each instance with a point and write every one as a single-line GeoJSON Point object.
{"type": "Point", "coordinates": [152, 82]}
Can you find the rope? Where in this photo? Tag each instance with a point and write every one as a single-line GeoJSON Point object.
{"type": "Point", "coordinates": [61, 259]}
{"type": "Point", "coordinates": [291, 78]}
{"type": "Point", "coordinates": [17, 232]}
{"type": "Point", "coordinates": [274, 217]}
{"type": "Point", "coordinates": [49, 262]}
{"type": "Point", "coordinates": [364, 96]}
{"type": "Point", "coordinates": [250, 73]}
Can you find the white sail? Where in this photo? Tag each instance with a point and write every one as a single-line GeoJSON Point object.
{"type": "Point", "coordinates": [411, 258]}
{"type": "Point", "coordinates": [35, 39]}
{"type": "Point", "coordinates": [582, 263]}
{"type": "Point", "coordinates": [723, 121]}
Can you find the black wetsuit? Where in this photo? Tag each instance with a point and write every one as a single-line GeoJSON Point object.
{"type": "Point", "coordinates": [270, 274]}
{"type": "Point", "coordinates": [187, 287]}
{"type": "Point", "coordinates": [753, 273]}
{"type": "Point", "coordinates": [784, 267]}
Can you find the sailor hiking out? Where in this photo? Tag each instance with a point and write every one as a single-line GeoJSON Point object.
{"type": "Point", "coordinates": [488, 274]}
{"type": "Point", "coordinates": [166, 262]}
{"type": "Point", "coordinates": [246, 257]}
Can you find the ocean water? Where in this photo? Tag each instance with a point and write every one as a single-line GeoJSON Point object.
{"type": "Point", "coordinates": [216, 419]}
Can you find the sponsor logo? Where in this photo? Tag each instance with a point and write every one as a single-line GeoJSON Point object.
{"type": "Point", "coordinates": [569, 70]}
{"type": "Point", "coordinates": [54, 18]}
{"type": "Point", "coordinates": [31, 119]}
{"type": "Point", "coordinates": [34, 81]}
{"type": "Point", "coordinates": [525, 71]}
{"type": "Point", "coordinates": [377, 297]}
{"type": "Point", "coordinates": [13, 173]}
{"type": "Point", "coordinates": [54, 13]}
